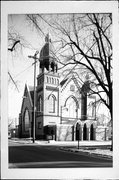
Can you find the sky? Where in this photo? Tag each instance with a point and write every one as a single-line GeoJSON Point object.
{"type": "Point", "coordinates": [19, 65]}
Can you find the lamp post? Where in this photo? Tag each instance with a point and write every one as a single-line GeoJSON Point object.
{"type": "Point", "coordinates": [34, 104]}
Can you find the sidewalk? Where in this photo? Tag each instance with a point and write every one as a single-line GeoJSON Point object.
{"type": "Point", "coordinates": [63, 143]}
{"type": "Point", "coordinates": [92, 148]}
{"type": "Point", "coordinates": [81, 143]}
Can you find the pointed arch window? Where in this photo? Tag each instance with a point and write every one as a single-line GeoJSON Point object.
{"type": "Point", "coordinates": [26, 120]}
{"type": "Point", "coordinates": [40, 104]}
{"type": "Point", "coordinates": [52, 101]}
{"type": "Point", "coordinates": [72, 106]}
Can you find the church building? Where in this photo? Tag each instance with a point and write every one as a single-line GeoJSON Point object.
{"type": "Point", "coordinates": [63, 111]}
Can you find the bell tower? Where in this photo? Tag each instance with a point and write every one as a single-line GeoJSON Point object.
{"type": "Point", "coordinates": [47, 91]}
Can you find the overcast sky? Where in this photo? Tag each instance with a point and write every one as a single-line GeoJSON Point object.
{"type": "Point", "coordinates": [19, 65]}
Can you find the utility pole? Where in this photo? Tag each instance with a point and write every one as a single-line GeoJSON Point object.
{"type": "Point", "coordinates": [34, 104]}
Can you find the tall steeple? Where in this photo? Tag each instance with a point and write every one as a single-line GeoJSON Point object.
{"type": "Point", "coordinates": [47, 89]}
{"type": "Point", "coordinates": [47, 57]}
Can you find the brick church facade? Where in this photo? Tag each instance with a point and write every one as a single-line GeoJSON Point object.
{"type": "Point", "coordinates": [62, 106]}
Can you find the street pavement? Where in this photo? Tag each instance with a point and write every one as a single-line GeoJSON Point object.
{"type": "Point", "coordinates": [28, 155]}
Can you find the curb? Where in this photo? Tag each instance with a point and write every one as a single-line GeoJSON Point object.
{"type": "Point", "coordinates": [87, 153]}
{"type": "Point", "coordinates": [22, 142]}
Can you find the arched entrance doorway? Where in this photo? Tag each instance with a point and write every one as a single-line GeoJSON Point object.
{"type": "Point", "coordinates": [92, 132]}
{"type": "Point", "coordinates": [78, 132]}
{"type": "Point", "coordinates": [85, 132]}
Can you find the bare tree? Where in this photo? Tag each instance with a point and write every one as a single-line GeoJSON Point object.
{"type": "Point", "coordinates": [96, 49]}
{"type": "Point", "coordinates": [13, 47]}
{"type": "Point", "coordinates": [83, 40]}
{"type": "Point", "coordinates": [13, 41]}
{"type": "Point", "coordinates": [16, 44]}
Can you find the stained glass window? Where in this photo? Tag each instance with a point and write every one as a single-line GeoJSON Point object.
{"type": "Point", "coordinates": [26, 120]}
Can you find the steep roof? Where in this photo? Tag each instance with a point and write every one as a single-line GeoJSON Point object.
{"type": "Point", "coordinates": [63, 82]}
{"type": "Point", "coordinates": [66, 81]}
{"type": "Point", "coordinates": [32, 96]}
{"type": "Point", "coordinates": [28, 93]}
{"type": "Point", "coordinates": [31, 93]}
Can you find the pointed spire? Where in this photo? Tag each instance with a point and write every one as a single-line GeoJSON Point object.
{"type": "Point", "coordinates": [47, 39]}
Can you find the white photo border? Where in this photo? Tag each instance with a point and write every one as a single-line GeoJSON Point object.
{"type": "Point", "coordinates": [32, 7]}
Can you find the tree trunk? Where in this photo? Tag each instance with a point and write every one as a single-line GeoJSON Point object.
{"type": "Point", "coordinates": [111, 114]}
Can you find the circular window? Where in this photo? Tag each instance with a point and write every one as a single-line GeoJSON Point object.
{"type": "Point", "coordinates": [72, 88]}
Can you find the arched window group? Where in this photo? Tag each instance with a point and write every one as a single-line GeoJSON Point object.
{"type": "Point", "coordinates": [52, 101]}
{"type": "Point", "coordinates": [92, 132]}
{"type": "Point", "coordinates": [53, 80]}
{"type": "Point", "coordinates": [84, 132]}
{"type": "Point", "coordinates": [78, 131]}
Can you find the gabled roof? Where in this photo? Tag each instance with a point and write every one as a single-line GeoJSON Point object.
{"type": "Point", "coordinates": [30, 91]}
{"type": "Point", "coordinates": [66, 81]}
{"type": "Point", "coordinates": [63, 82]}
